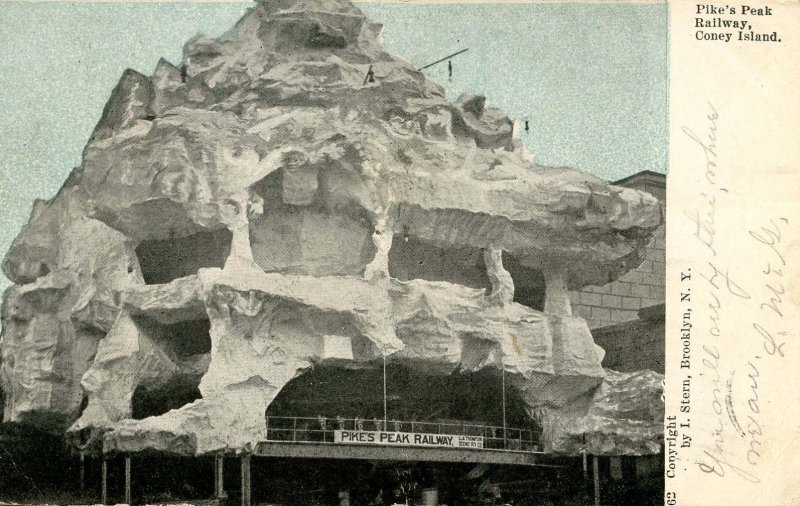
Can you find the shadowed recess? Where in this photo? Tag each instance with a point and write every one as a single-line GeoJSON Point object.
{"type": "Point", "coordinates": [165, 260]}
{"type": "Point", "coordinates": [187, 338]}
{"type": "Point", "coordinates": [413, 258]}
{"type": "Point", "coordinates": [529, 288]}
{"type": "Point", "coordinates": [153, 402]}
{"type": "Point", "coordinates": [412, 396]}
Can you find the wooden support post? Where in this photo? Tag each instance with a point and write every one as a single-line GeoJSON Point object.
{"type": "Point", "coordinates": [246, 500]}
{"type": "Point", "coordinates": [219, 469]}
{"type": "Point", "coordinates": [104, 481]}
{"type": "Point", "coordinates": [82, 478]}
{"type": "Point", "coordinates": [585, 464]}
{"type": "Point", "coordinates": [596, 467]}
{"type": "Point", "coordinates": [128, 479]}
{"type": "Point", "coordinates": [216, 476]}
{"type": "Point", "coordinates": [584, 450]}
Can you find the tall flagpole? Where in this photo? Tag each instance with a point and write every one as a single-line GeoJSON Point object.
{"type": "Point", "coordinates": [445, 58]}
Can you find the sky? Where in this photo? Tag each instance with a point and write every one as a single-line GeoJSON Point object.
{"type": "Point", "coordinates": [591, 79]}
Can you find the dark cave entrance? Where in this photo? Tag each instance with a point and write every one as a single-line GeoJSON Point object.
{"type": "Point", "coordinates": [184, 342]}
{"type": "Point", "coordinates": [529, 288]}
{"type": "Point", "coordinates": [157, 401]}
{"type": "Point", "coordinates": [187, 338]}
{"type": "Point", "coordinates": [164, 260]}
{"type": "Point", "coordinates": [414, 258]}
{"type": "Point", "coordinates": [332, 392]}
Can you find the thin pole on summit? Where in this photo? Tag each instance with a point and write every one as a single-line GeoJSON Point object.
{"type": "Point", "coordinates": [445, 58]}
{"type": "Point", "coordinates": [370, 77]}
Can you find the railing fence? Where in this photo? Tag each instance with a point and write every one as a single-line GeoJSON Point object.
{"type": "Point", "coordinates": [321, 429]}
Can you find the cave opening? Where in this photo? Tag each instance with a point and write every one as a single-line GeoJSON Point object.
{"type": "Point", "coordinates": [157, 401]}
{"type": "Point", "coordinates": [529, 288]}
{"type": "Point", "coordinates": [164, 260]}
{"type": "Point", "coordinates": [182, 340]}
{"type": "Point", "coordinates": [187, 343]}
{"type": "Point", "coordinates": [468, 397]}
{"type": "Point", "coordinates": [188, 338]}
{"type": "Point", "coordinates": [414, 258]}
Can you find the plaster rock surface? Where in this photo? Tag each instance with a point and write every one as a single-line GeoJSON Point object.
{"type": "Point", "coordinates": [625, 417]}
{"type": "Point", "coordinates": [291, 194]}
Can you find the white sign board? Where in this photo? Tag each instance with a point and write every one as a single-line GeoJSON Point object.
{"type": "Point", "coordinates": [406, 439]}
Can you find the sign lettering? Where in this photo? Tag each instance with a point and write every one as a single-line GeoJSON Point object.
{"type": "Point", "coordinates": [406, 439]}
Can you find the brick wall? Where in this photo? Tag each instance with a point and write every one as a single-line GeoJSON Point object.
{"type": "Point", "coordinates": [621, 300]}
{"type": "Point", "coordinates": [636, 345]}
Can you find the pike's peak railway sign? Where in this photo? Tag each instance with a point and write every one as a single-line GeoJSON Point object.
{"type": "Point", "coordinates": [407, 439]}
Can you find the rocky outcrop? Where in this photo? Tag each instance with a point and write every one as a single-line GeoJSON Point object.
{"type": "Point", "coordinates": [69, 272]}
{"type": "Point", "coordinates": [268, 328]}
{"type": "Point", "coordinates": [265, 207]}
{"type": "Point", "coordinates": [625, 417]}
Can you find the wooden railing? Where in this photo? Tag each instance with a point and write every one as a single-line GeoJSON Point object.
{"type": "Point", "coordinates": [322, 429]}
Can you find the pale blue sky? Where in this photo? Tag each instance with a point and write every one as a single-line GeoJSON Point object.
{"type": "Point", "coordinates": [591, 78]}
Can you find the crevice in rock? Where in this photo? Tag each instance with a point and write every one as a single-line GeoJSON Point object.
{"type": "Point", "coordinates": [414, 258]}
{"type": "Point", "coordinates": [529, 288]}
{"type": "Point", "coordinates": [164, 260]}
{"type": "Point", "coordinates": [186, 343]}
{"type": "Point", "coordinates": [182, 340]}
{"type": "Point", "coordinates": [187, 338]}
{"type": "Point", "coordinates": [157, 401]}
{"type": "Point", "coordinates": [270, 187]}
{"type": "Point", "coordinates": [83, 404]}
{"type": "Point", "coordinates": [43, 270]}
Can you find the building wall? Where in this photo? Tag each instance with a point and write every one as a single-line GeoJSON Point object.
{"type": "Point", "coordinates": [621, 300]}
{"type": "Point", "coordinates": [635, 345]}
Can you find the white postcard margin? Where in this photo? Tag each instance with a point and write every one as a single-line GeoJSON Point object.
{"type": "Point", "coordinates": [732, 432]}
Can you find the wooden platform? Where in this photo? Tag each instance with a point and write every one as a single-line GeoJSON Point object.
{"type": "Point", "coordinates": [324, 450]}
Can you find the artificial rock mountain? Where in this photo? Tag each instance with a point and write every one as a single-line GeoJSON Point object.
{"type": "Point", "coordinates": [264, 208]}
